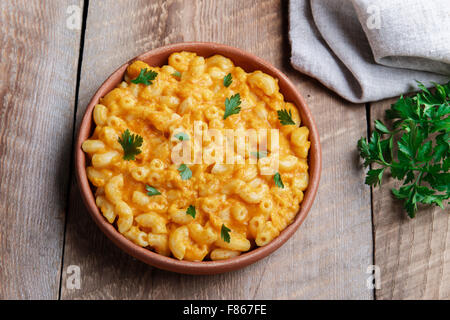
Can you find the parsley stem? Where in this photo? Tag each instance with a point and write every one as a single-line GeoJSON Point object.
{"type": "Point", "coordinates": [419, 178]}
{"type": "Point", "coordinates": [390, 165]}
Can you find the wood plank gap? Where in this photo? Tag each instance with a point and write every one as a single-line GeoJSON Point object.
{"type": "Point", "coordinates": [369, 133]}
{"type": "Point", "coordinates": [74, 130]}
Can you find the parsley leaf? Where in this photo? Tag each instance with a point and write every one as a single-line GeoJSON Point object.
{"type": "Point", "coordinates": [130, 144]}
{"type": "Point", "coordinates": [182, 136]}
{"type": "Point", "coordinates": [416, 150]}
{"type": "Point", "coordinates": [278, 181]}
{"type": "Point", "coordinates": [259, 154]}
{"type": "Point", "coordinates": [177, 74]}
{"type": "Point", "coordinates": [225, 233]}
{"type": "Point", "coordinates": [285, 117]}
{"type": "Point", "coordinates": [191, 211]}
{"type": "Point", "coordinates": [227, 80]}
{"type": "Point", "coordinates": [232, 105]}
{"type": "Point", "coordinates": [151, 191]}
{"type": "Point", "coordinates": [185, 172]}
{"type": "Point", "coordinates": [145, 77]}
{"type": "Point", "coordinates": [374, 176]}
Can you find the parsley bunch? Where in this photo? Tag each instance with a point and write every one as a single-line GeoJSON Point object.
{"type": "Point", "coordinates": [416, 149]}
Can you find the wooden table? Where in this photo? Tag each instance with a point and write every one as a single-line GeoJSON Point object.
{"type": "Point", "coordinates": [50, 70]}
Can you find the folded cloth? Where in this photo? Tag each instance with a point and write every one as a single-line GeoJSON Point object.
{"type": "Point", "coordinates": [367, 50]}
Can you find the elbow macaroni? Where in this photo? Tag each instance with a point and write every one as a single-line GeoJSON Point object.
{"type": "Point", "coordinates": [240, 196]}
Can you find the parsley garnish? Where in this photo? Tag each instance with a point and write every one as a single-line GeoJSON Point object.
{"type": "Point", "coordinates": [278, 181]}
{"type": "Point", "coordinates": [151, 191]}
{"type": "Point", "coordinates": [182, 136]}
{"type": "Point", "coordinates": [225, 233]}
{"type": "Point", "coordinates": [421, 133]}
{"type": "Point", "coordinates": [185, 172]}
{"type": "Point", "coordinates": [259, 154]}
{"type": "Point", "coordinates": [227, 80]}
{"type": "Point", "coordinates": [232, 105]}
{"type": "Point", "coordinates": [285, 117]}
{"type": "Point", "coordinates": [145, 77]}
{"type": "Point", "coordinates": [130, 144]}
{"type": "Point", "coordinates": [176, 74]}
{"type": "Point", "coordinates": [191, 211]}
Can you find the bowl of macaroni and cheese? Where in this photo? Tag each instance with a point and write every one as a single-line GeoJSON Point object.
{"type": "Point", "coordinates": [198, 158]}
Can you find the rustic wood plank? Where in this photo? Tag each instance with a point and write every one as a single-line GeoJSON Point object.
{"type": "Point", "coordinates": [326, 258]}
{"type": "Point", "coordinates": [39, 58]}
{"type": "Point", "coordinates": [413, 254]}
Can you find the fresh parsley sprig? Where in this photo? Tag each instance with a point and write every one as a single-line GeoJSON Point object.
{"type": "Point", "coordinates": [182, 136]}
{"type": "Point", "coordinates": [227, 80]}
{"type": "Point", "coordinates": [151, 191]}
{"type": "Point", "coordinates": [225, 233]}
{"type": "Point", "coordinates": [145, 77]}
{"type": "Point", "coordinates": [191, 211]}
{"type": "Point", "coordinates": [185, 172]}
{"type": "Point", "coordinates": [130, 144]}
{"type": "Point", "coordinates": [232, 105]}
{"type": "Point", "coordinates": [421, 133]}
{"type": "Point", "coordinates": [285, 117]}
{"type": "Point", "coordinates": [259, 154]}
{"type": "Point", "coordinates": [277, 179]}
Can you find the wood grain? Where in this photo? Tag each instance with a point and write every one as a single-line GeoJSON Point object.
{"type": "Point", "coordinates": [413, 254]}
{"type": "Point", "coordinates": [326, 258]}
{"type": "Point", "coordinates": [39, 58]}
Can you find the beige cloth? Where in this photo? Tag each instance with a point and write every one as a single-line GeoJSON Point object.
{"type": "Point", "coordinates": [367, 50]}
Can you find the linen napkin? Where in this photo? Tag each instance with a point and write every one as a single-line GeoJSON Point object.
{"type": "Point", "coordinates": [367, 50]}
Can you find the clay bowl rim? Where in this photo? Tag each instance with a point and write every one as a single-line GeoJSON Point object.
{"type": "Point", "coordinates": [290, 93]}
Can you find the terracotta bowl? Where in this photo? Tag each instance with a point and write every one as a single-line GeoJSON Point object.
{"type": "Point", "coordinates": [249, 63]}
